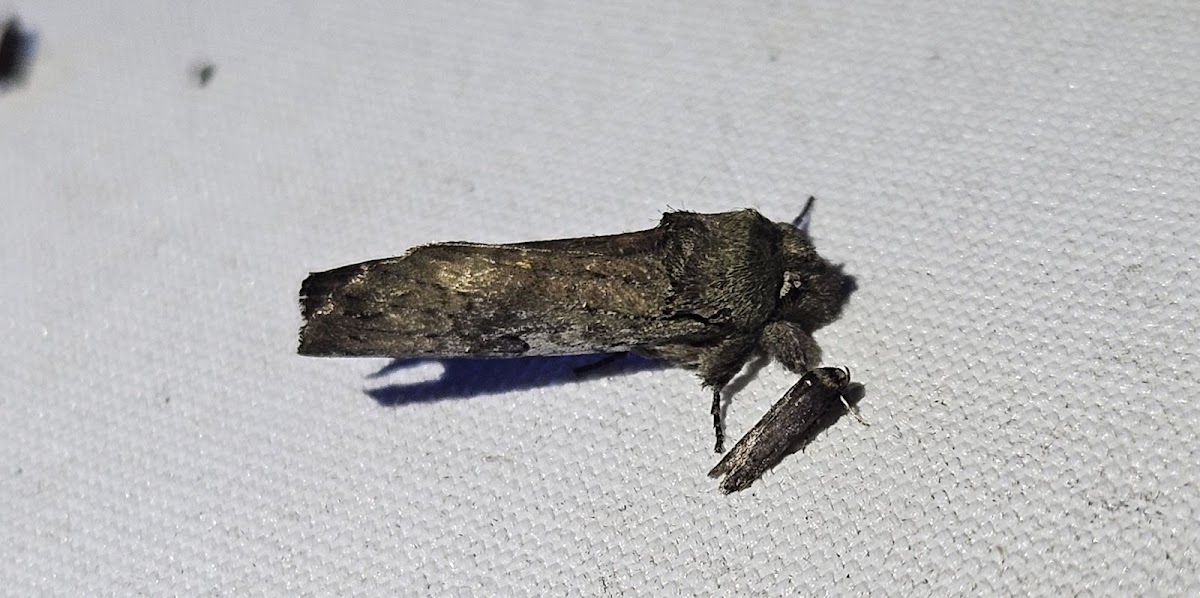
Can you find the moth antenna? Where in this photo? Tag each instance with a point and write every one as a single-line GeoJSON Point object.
{"type": "Point", "coordinates": [852, 411]}
{"type": "Point", "coordinates": [801, 221]}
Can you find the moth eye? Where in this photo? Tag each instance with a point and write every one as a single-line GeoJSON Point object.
{"type": "Point", "coordinates": [791, 282]}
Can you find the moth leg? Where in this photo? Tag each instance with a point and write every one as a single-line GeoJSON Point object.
{"type": "Point", "coordinates": [791, 345]}
{"type": "Point", "coordinates": [607, 359]}
{"type": "Point", "coordinates": [718, 424]}
{"type": "Point", "coordinates": [718, 366]}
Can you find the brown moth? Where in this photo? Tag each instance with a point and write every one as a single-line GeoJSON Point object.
{"type": "Point", "coordinates": [700, 291]}
{"type": "Point", "coordinates": [789, 423]}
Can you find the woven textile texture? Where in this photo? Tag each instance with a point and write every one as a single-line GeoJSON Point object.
{"type": "Point", "coordinates": [1015, 188]}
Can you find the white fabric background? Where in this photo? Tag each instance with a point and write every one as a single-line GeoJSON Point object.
{"type": "Point", "coordinates": [1015, 189]}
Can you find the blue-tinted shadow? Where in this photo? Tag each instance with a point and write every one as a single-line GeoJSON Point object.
{"type": "Point", "coordinates": [469, 377]}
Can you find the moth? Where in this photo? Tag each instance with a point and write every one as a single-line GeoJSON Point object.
{"type": "Point", "coordinates": [14, 44]}
{"type": "Point", "coordinates": [701, 291]}
{"type": "Point", "coordinates": [789, 423]}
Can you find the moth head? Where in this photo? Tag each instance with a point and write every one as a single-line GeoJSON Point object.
{"type": "Point", "coordinates": [839, 376]}
{"type": "Point", "coordinates": [812, 291]}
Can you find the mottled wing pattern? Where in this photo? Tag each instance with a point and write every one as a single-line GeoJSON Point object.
{"type": "Point", "coordinates": [574, 296]}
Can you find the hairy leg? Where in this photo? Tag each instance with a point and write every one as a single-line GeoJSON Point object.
{"type": "Point", "coordinates": [718, 365]}
{"type": "Point", "coordinates": [789, 344]}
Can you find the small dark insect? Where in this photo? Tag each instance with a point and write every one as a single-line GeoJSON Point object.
{"type": "Point", "coordinates": [13, 44]}
{"type": "Point", "coordinates": [786, 425]}
{"type": "Point", "coordinates": [700, 291]}
{"type": "Point", "coordinates": [204, 73]}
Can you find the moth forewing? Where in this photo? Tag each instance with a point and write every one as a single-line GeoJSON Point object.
{"type": "Point", "coordinates": [463, 299]}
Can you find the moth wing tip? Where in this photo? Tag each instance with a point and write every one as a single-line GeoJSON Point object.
{"type": "Point", "coordinates": [730, 485]}
{"type": "Point", "coordinates": [311, 343]}
{"type": "Point", "coordinates": [303, 347]}
{"type": "Point", "coordinates": [722, 467]}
